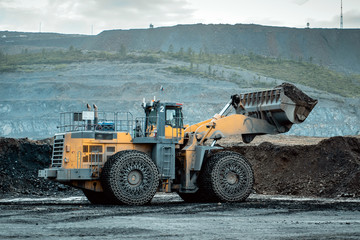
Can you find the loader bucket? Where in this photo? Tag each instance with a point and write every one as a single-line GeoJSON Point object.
{"type": "Point", "coordinates": [282, 106]}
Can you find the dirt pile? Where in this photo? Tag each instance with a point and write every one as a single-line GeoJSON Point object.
{"type": "Point", "coordinates": [329, 169]}
{"type": "Point", "coordinates": [20, 160]}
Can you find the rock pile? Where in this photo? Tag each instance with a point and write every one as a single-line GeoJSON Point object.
{"type": "Point", "coordinates": [330, 168]}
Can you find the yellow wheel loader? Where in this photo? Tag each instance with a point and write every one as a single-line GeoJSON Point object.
{"type": "Point", "coordinates": [117, 159]}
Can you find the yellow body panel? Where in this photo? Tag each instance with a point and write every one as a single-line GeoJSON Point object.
{"type": "Point", "coordinates": [78, 155]}
{"type": "Point", "coordinates": [75, 157]}
{"type": "Point", "coordinates": [194, 127]}
{"type": "Point", "coordinates": [171, 132]}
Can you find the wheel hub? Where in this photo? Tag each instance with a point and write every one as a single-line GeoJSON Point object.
{"type": "Point", "coordinates": [232, 178]}
{"type": "Point", "coordinates": [135, 178]}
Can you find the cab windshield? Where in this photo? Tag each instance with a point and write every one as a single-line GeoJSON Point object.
{"type": "Point", "coordinates": [173, 117]}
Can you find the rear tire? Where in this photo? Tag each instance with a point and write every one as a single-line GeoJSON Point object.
{"type": "Point", "coordinates": [131, 177]}
{"type": "Point", "coordinates": [226, 177]}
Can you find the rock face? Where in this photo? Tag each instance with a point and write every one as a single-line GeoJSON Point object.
{"type": "Point", "coordinates": [30, 103]}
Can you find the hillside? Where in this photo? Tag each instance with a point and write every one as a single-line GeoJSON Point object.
{"type": "Point", "coordinates": [335, 48]}
{"type": "Point", "coordinates": [338, 49]}
{"type": "Point", "coordinates": [31, 99]}
{"type": "Point", "coordinates": [198, 65]}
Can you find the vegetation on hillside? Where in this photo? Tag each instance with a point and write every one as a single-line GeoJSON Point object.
{"type": "Point", "coordinates": [301, 72]}
{"type": "Point", "coordinates": [15, 62]}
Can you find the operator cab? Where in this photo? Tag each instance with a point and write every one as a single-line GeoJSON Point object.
{"type": "Point", "coordinates": [162, 120]}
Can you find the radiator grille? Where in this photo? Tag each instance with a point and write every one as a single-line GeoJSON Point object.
{"type": "Point", "coordinates": [58, 150]}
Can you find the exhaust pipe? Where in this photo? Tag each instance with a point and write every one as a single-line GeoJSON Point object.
{"type": "Point", "coordinates": [96, 119]}
{"type": "Point", "coordinates": [88, 125]}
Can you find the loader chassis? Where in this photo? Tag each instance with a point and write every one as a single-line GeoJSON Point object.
{"type": "Point", "coordinates": [116, 159]}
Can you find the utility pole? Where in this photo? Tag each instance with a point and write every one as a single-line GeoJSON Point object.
{"type": "Point", "coordinates": [341, 17]}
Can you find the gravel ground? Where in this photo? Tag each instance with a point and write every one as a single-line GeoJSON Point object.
{"type": "Point", "coordinates": [168, 217]}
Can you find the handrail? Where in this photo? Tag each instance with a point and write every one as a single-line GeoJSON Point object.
{"type": "Point", "coordinates": [103, 121]}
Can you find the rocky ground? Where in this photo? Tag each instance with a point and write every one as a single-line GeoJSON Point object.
{"type": "Point", "coordinates": [286, 165]}
{"type": "Point", "coordinates": [168, 217]}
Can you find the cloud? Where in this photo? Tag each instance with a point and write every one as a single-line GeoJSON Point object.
{"type": "Point", "coordinates": [129, 13]}
{"type": "Point", "coordinates": [351, 19]}
{"type": "Point", "coordinates": [77, 16]}
{"type": "Point", "coordinates": [300, 2]}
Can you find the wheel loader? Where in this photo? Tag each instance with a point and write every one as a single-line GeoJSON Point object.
{"type": "Point", "coordinates": [118, 159]}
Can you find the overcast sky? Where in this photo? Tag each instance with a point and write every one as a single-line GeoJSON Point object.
{"type": "Point", "coordinates": [94, 16]}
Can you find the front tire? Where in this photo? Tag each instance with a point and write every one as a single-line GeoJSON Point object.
{"type": "Point", "coordinates": [131, 177]}
{"type": "Point", "coordinates": [226, 177]}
